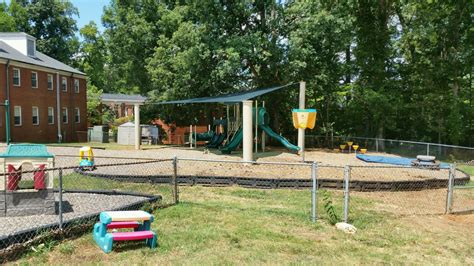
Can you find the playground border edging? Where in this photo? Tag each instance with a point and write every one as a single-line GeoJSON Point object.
{"type": "Point", "coordinates": [293, 183]}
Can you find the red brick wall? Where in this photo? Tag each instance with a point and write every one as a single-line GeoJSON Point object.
{"type": "Point", "coordinates": [27, 97]}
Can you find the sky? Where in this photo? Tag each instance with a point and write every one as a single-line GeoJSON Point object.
{"type": "Point", "coordinates": [90, 10]}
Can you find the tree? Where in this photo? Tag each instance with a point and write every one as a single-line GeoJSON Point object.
{"type": "Point", "coordinates": [92, 59]}
{"type": "Point", "coordinates": [52, 23]}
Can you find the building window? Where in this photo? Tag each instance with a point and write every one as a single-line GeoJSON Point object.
{"type": "Point", "coordinates": [35, 115]}
{"type": "Point", "coordinates": [65, 116]}
{"type": "Point", "coordinates": [64, 83]}
{"type": "Point", "coordinates": [50, 82]}
{"type": "Point", "coordinates": [34, 79]}
{"type": "Point", "coordinates": [17, 115]}
{"type": "Point", "coordinates": [77, 115]}
{"type": "Point", "coordinates": [76, 85]}
{"type": "Point", "coordinates": [16, 77]}
{"type": "Point", "coordinates": [50, 115]}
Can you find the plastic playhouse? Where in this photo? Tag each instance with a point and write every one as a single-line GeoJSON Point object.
{"type": "Point", "coordinates": [26, 192]}
{"type": "Point", "coordinates": [139, 221]}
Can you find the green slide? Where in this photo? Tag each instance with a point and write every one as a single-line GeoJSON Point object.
{"type": "Point", "coordinates": [281, 139]}
{"type": "Point", "coordinates": [233, 143]}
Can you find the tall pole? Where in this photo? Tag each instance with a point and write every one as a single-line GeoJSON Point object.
{"type": "Point", "coordinates": [263, 132]}
{"type": "Point", "coordinates": [256, 127]}
{"type": "Point", "coordinates": [301, 106]}
{"type": "Point", "coordinates": [247, 141]}
{"type": "Point", "coordinates": [138, 134]}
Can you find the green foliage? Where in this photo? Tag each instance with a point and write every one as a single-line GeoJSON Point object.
{"type": "Point", "coordinates": [393, 69]}
{"type": "Point", "coordinates": [52, 23]}
{"type": "Point", "coordinates": [331, 213]}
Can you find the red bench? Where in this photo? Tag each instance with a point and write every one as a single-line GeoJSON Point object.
{"type": "Point", "coordinates": [120, 225]}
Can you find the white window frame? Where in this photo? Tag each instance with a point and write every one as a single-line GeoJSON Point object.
{"type": "Point", "coordinates": [64, 84]}
{"type": "Point", "coordinates": [19, 77]}
{"type": "Point", "coordinates": [76, 85]}
{"type": "Point", "coordinates": [62, 115]}
{"type": "Point", "coordinates": [14, 115]}
{"type": "Point", "coordinates": [52, 82]}
{"type": "Point", "coordinates": [33, 114]}
{"type": "Point", "coordinates": [37, 81]}
{"type": "Point", "coordinates": [77, 113]}
{"type": "Point", "coordinates": [52, 115]}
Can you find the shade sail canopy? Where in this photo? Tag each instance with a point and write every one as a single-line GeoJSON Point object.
{"type": "Point", "coordinates": [230, 98]}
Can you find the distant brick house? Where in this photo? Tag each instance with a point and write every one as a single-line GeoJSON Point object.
{"type": "Point", "coordinates": [48, 101]}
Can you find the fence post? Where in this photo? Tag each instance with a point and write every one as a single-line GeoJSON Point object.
{"type": "Point", "coordinates": [175, 180]}
{"type": "Point", "coordinates": [428, 149]}
{"type": "Point", "coordinates": [449, 197]}
{"type": "Point", "coordinates": [314, 202]}
{"type": "Point", "coordinates": [347, 176]}
{"type": "Point", "coordinates": [377, 145]}
{"type": "Point", "coordinates": [60, 205]}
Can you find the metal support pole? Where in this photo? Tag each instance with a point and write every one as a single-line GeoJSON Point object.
{"type": "Point", "coordinates": [449, 198]}
{"type": "Point", "coordinates": [263, 132]}
{"type": "Point", "coordinates": [347, 176]}
{"type": "Point", "coordinates": [247, 129]}
{"type": "Point", "coordinates": [377, 145]}
{"type": "Point", "coordinates": [428, 149]}
{"type": "Point", "coordinates": [175, 180]}
{"type": "Point", "coordinates": [256, 127]}
{"type": "Point", "coordinates": [190, 136]}
{"type": "Point", "coordinates": [314, 202]}
{"type": "Point", "coordinates": [138, 132]}
{"type": "Point", "coordinates": [60, 207]}
{"type": "Point", "coordinates": [302, 98]}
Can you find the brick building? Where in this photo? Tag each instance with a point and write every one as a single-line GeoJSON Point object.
{"type": "Point", "coordinates": [47, 98]}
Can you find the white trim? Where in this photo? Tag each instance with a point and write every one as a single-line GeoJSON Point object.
{"type": "Point", "coordinates": [19, 77]}
{"type": "Point", "coordinates": [33, 114]}
{"type": "Point", "coordinates": [42, 68]}
{"type": "Point", "coordinates": [63, 88]}
{"type": "Point", "coordinates": [52, 114]}
{"type": "Point", "coordinates": [52, 82]}
{"type": "Point", "coordinates": [77, 89]}
{"type": "Point", "coordinates": [37, 79]}
{"type": "Point", "coordinates": [21, 118]}
{"type": "Point", "coordinates": [78, 115]}
{"type": "Point", "coordinates": [62, 115]}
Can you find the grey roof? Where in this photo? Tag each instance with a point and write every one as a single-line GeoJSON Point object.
{"type": "Point", "coordinates": [8, 52]}
{"type": "Point", "coordinates": [15, 34]}
{"type": "Point", "coordinates": [122, 97]}
{"type": "Point", "coordinates": [230, 98]}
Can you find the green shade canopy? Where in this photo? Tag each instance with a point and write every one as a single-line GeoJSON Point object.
{"type": "Point", "coordinates": [230, 98]}
{"type": "Point", "coordinates": [26, 150]}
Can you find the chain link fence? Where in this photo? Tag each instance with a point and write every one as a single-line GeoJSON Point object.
{"type": "Point", "coordinates": [43, 204]}
{"type": "Point", "coordinates": [460, 197]}
{"type": "Point", "coordinates": [400, 147]}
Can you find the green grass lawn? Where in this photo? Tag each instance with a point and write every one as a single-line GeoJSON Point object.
{"type": "Point", "coordinates": [467, 168]}
{"type": "Point", "coordinates": [246, 226]}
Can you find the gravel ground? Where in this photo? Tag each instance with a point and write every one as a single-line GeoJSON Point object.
{"type": "Point", "coordinates": [322, 156]}
{"type": "Point", "coordinates": [76, 205]}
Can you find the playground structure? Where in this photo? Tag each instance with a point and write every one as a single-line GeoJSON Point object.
{"type": "Point", "coordinates": [139, 221]}
{"type": "Point", "coordinates": [261, 123]}
{"type": "Point", "coordinates": [246, 123]}
{"type": "Point", "coordinates": [25, 194]}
